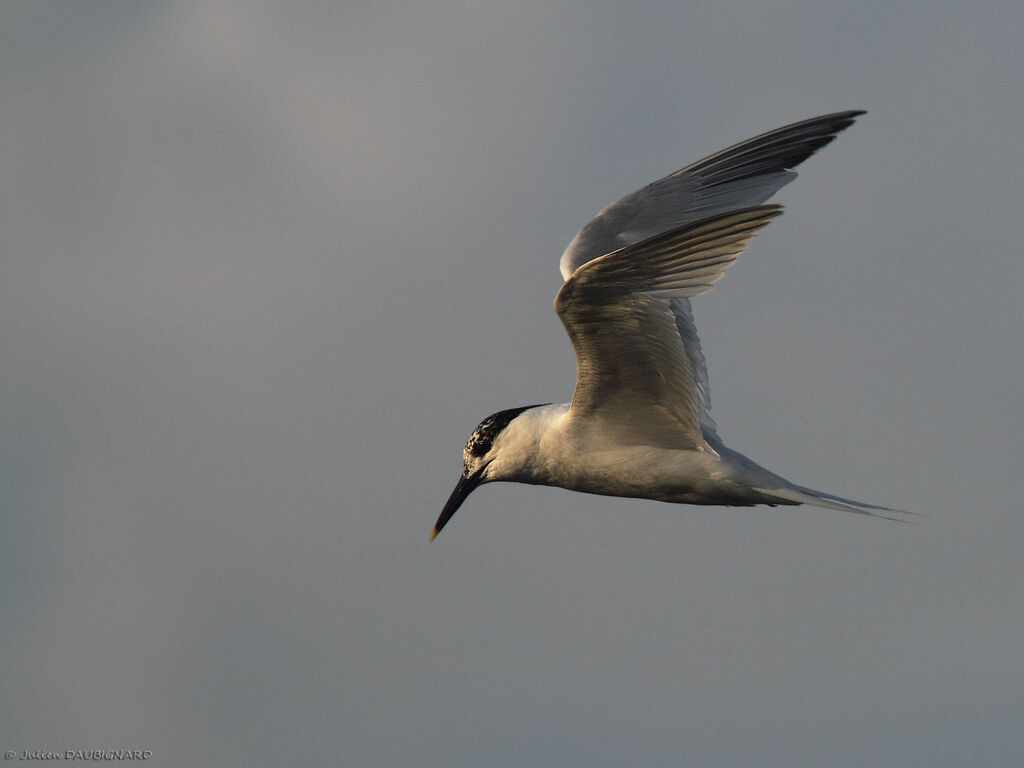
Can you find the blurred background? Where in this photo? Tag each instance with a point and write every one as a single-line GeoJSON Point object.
{"type": "Point", "coordinates": [266, 265]}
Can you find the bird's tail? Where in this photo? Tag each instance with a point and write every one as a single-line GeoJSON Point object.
{"type": "Point", "coordinates": [795, 494]}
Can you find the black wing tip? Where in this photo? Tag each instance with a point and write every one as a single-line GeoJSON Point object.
{"type": "Point", "coordinates": [843, 114]}
{"type": "Point", "coordinates": [823, 128]}
{"type": "Point", "coordinates": [777, 151]}
{"type": "Point", "coordinates": [841, 120]}
{"type": "Point", "coordinates": [834, 124]}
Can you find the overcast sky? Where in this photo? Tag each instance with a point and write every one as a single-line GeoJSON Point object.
{"type": "Point", "coordinates": [266, 266]}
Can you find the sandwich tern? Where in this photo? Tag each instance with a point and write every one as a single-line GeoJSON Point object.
{"type": "Point", "coordinates": [639, 423]}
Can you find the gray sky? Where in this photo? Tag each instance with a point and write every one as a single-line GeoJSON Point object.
{"type": "Point", "coordinates": [266, 266]}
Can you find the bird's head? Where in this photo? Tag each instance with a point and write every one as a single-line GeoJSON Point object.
{"type": "Point", "coordinates": [477, 458]}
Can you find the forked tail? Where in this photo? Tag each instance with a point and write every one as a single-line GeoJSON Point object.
{"type": "Point", "coordinates": [795, 494]}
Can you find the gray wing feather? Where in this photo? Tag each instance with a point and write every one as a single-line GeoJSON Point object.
{"type": "Point", "coordinates": [639, 372]}
{"type": "Point", "coordinates": [738, 177]}
{"type": "Point", "coordinates": [741, 176]}
{"type": "Point", "coordinates": [687, 330]}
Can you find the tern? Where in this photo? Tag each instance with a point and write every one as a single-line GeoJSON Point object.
{"type": "Point", "coordinates": [639, 424]}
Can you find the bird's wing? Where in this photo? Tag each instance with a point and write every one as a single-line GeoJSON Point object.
{"type": "Point", "coordinates": [635, 369]}
{"type": "Point", "coordinates": [741, 176]}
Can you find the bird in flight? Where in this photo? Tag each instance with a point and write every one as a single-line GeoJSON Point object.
{"type": "Point", "coordinates": [639, 424]}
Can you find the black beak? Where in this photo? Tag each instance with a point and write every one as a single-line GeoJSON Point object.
{"type": "Point", "coordinates": [467, 484]}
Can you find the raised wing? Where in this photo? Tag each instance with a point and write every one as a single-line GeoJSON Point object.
{"type": "Point", "coordinates": [738, 177]}
{"type": "Point", "coordinates": [741, 176]}
{"type": "Point", "coordinates": [635, 369]}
